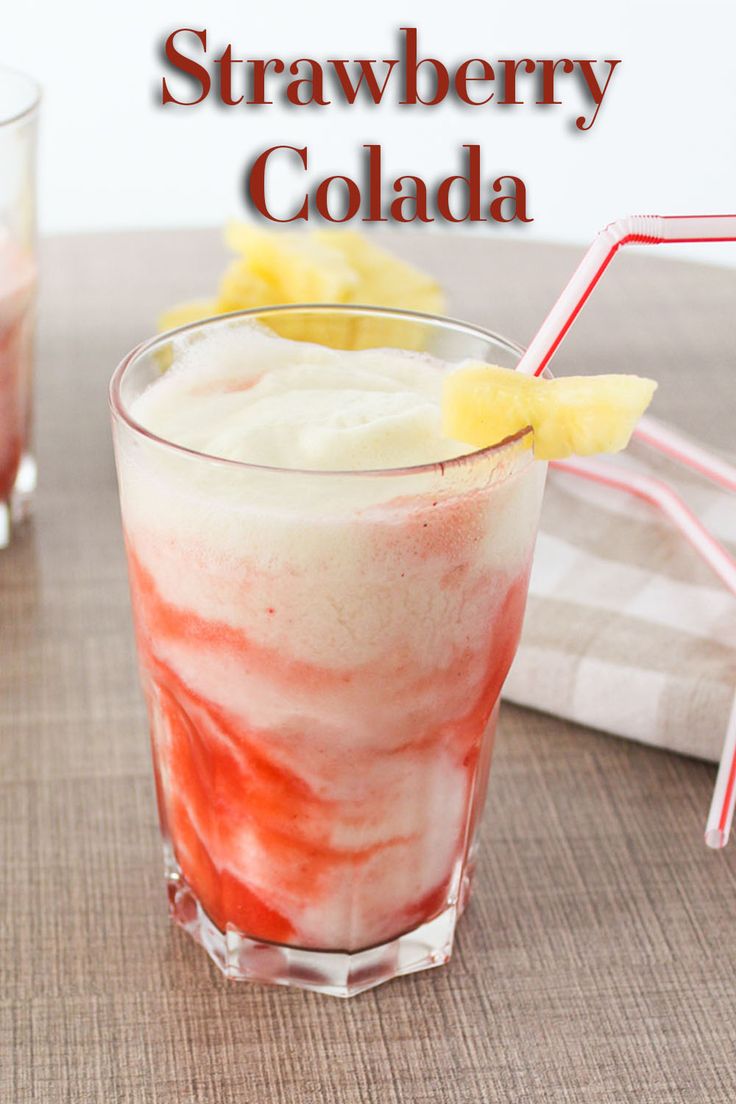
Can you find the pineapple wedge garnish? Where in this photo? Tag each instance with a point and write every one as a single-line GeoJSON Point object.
{"type": "Point", "coordinates": [483, 404]}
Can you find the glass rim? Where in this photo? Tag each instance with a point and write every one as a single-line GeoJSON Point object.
{"type": "Point", "coordinates": [120, 412]}
{"type": "Point", "coordinates": [34, 91]}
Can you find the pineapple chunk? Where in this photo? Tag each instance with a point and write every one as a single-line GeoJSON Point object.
{"type": "Point", "coordinates": [483, 404]}
{"type": "Point", "coordinates": [325, 266]}
{"type": "Point", "coordinates": [240, 288]}
{"type": "Point", "coordinates": [383, 280]}
{"type": "Point", "coordinates": [302, 268]}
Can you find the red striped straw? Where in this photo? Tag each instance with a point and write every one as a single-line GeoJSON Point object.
{"type": "Point", "coordinates": [654, 230]}
{"type": "Point", "coordinates": [678, 447]}
{"type": "Point", "coordinates": [636, 229]}
{"type": "Point", "coordinates": [660, 494]}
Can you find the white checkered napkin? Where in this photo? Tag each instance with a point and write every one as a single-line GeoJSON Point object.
{"type": "Point", "coordinates": [627, 630]}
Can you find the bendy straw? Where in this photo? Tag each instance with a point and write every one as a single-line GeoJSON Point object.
{"type": "Point", "coordinates": [720, 817]}
{"type": "Point", "coordinates": [637, 230]}
{"type": "Point", "coordinates": [661, 495]}
{"type": "Point", "coordinates": [678, 447]}
{"type": "Point", "coordinates": [658, 493]}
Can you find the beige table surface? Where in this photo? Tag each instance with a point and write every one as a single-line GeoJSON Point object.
{"type": "Point", "coordinates": [597, 962]}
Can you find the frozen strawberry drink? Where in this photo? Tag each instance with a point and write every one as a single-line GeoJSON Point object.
{"type": "Point", "coordinates": [327, 598]}
{"type": "Point", "coordinates": [19, 96]}
{"type": "Point", "coordinates": [17, 286]}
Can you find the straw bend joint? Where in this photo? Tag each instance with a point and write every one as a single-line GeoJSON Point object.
{"type": "Point", "coordinates": [646, 229]}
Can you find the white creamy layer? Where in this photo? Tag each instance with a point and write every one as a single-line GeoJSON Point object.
{"type": "Point", "coordinates": [291, 556]}
{"type": "Point", "coordinates": [248, 395]}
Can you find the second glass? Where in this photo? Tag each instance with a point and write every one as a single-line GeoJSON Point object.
{"type": "Point", "coordinates": [322, 655]}
{"type": "Point", "coordinates": [19, 97]}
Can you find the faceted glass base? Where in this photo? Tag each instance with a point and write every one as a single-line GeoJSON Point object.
{"type": "Point", "coordinates": [18, 507]}
{"type": "Point", "coordinates": [335, 973]}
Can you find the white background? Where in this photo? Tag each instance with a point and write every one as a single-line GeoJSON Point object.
{"type": "Point", "coordinates": [664, 140]}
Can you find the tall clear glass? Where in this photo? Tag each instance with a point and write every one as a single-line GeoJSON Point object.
{"type": "Point", "coordinates": [322, 655]}
{"type": "Point", "coordinates": [19, 97]}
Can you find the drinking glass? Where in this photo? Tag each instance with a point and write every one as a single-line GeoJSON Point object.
{"type": "Point", "coordinates": [19, 97]}
{"type": "Point", "coordinates": [322, 654]}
